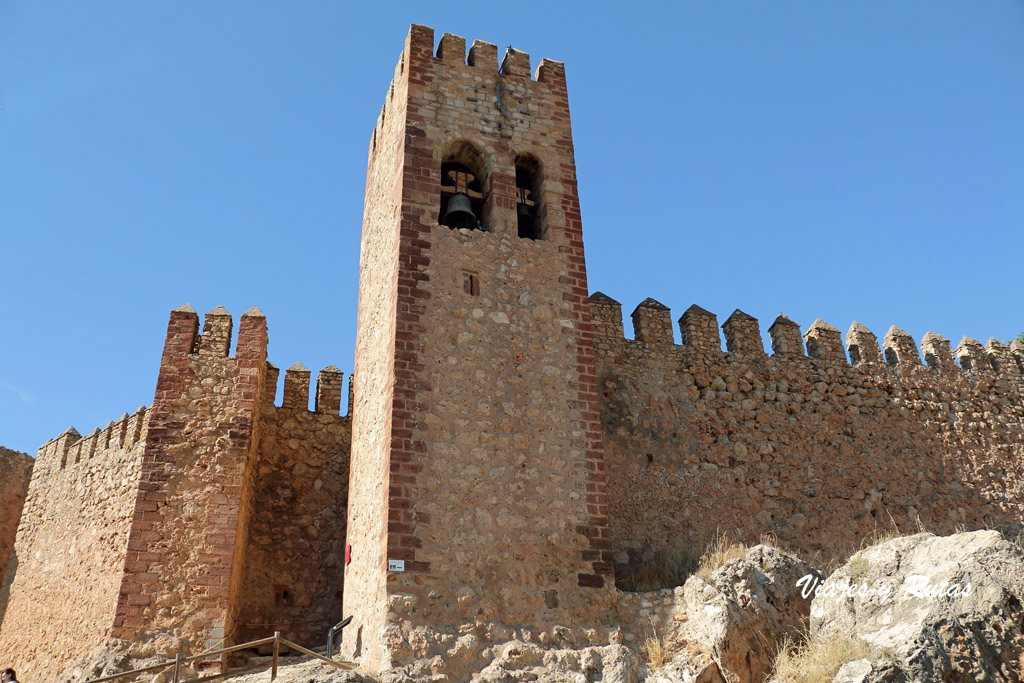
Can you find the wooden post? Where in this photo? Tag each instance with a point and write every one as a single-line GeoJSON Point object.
{"type": "Point", "coordinates": [277, 649]}
{"type": "Point", "coordinates": [177, 666]}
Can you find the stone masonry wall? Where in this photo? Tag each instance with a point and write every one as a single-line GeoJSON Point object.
{"type": "Point", "coordinates": [808, 447]}
{"type": "Point", "coordinates": [373, 380]}
{"type": "Point", "coordinates": [496, 501]}
{"type": "Point", "coordinates": [15, 471]}
{"type": "Point", "coordinates": [296, 552]}
{"type": "Point", "coordinates": [186, 548]}
{"type": "Point", "coordinates": [58, 601]}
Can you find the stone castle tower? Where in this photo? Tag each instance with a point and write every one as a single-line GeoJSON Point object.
{"type": "Point", "coordinates": [477, 459]}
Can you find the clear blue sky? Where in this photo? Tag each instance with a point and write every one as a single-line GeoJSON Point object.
{"type": "Point", "coordinates": [842, 160]}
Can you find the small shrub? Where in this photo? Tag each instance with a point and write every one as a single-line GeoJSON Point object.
{"type": "Point", "coordinates": [816, 661]}
{"type": "Point", "coordinates": [718, 552]}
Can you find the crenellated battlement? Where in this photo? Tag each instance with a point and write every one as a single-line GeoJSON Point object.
{"type": "Point", "coordinates": [70, 447]}
{"type": "Point", "coordinates": [297, 384]}
{"type": "Point", "coordinates": [451, 50]}
{"type": "Point", "coordinates": [898, 353]}
{"type": "Point", "coordinates": [184, 339]}
{"type": "Point", "coordinates": [820, 439]}
{"type": "Point", "coordinates": [480, 61]}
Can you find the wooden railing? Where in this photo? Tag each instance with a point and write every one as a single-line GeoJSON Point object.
{"type": "Point", "coordinates": [178, 660]}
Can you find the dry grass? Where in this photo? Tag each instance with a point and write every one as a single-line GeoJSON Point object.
{"type": "Point", "coordinates": [816, 661]}
{"type": "Point", "coordinates": [664, 569]}
{"type": "Point", "coordinates": [857, 566]}
{"type": "Point", "coordinates": [653, 650]}
{"type": "Point", "coordinates": [718, 552]}
{"type": "Point", "coordinates": [881, 535]}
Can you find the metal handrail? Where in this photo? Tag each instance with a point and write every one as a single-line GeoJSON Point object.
{"type": "Point", "coordinates": [333, 631]}
{"type": "Point", "coordinates": [178, 660]}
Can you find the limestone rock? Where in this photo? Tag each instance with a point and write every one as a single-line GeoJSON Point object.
{"type": "Point", "coordinates": [856, 671]}
{"type": "Point", "coordinates": [688, 667]}
{"type": "Point", "coordinates": [930, 607]}
{"type": "Point", "coordinates": [744, 610]}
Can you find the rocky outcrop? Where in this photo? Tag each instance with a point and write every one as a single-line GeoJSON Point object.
{"type": "Point", "coordinates": [742, 612]}
{"type": "Point", "coordinates": [930, 608]}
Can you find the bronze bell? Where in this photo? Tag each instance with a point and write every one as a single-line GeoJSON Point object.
{"type": "Point", "coordinates": [524, 211]}
{"type": "Point", "coordinates": [460, 213]}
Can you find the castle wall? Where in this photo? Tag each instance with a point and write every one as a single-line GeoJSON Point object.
{"type": "Point", "coordinates": [812, 449]}
{"type": "Point", "coordinates": [15, 472]}
{"type": "Point", "coordinates": [186, 550]}
{"type": "Point", "coordinates": [496, 498]}
{"type": "Point", "coordinates": [296, 552]}
{"type": "Point", "coordinates": [60, 595]}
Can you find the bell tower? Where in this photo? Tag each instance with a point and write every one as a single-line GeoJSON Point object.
{"type": "Point", "coordinates": [477, 493]}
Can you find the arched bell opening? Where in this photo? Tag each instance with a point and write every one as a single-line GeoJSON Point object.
{"type": "Point", "coordinates": [463, 195]}
{"type": "Point", "coordinates": [528, 197]}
